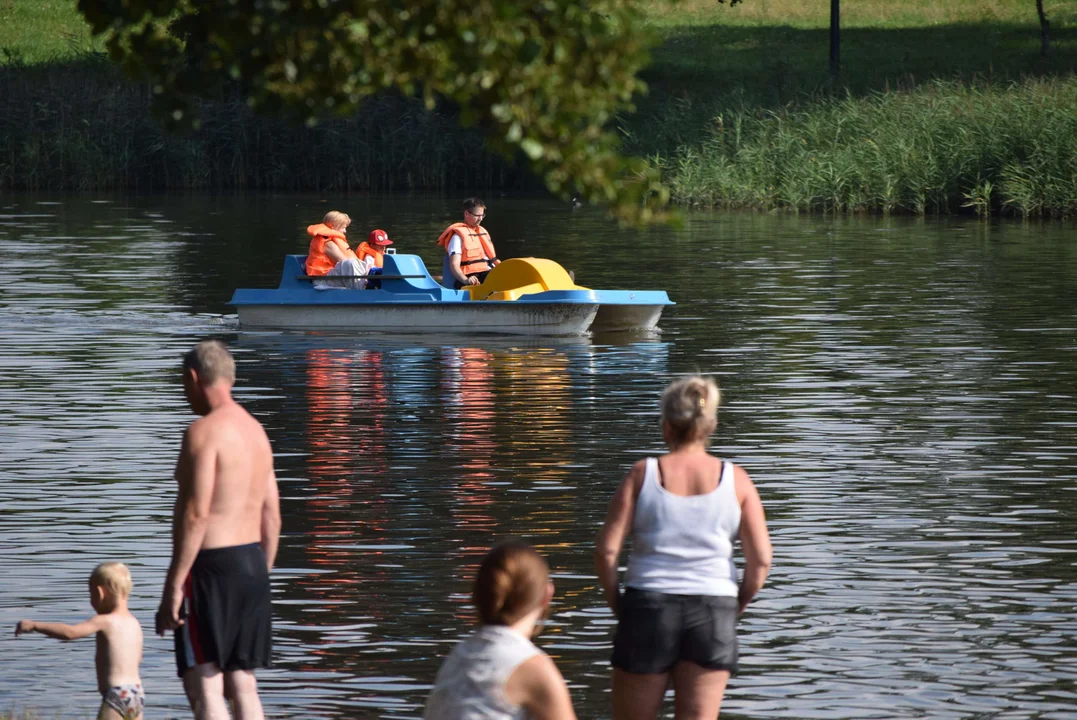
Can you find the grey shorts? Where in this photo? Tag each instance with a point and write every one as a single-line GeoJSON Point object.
{"type": "Point", "coordinates": [657, 630]}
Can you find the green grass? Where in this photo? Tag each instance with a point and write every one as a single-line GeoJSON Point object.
{"type": "Point", "coordinates": [938, 149]}
{"type": "Point", "coordinates": [940, 107]}
{"type": "Point", "coordinates": [773, 54]}
{"type": "Point", "coordinates": [963, 78]}
{"type": "Point", "coordinates": [854, 13]}
{"type": "Point", "coordinates": [36, 31]}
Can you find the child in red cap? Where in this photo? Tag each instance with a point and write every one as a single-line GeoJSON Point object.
{"type": "Point", "coordinates": [374, 247]}
{"type": "Point", "coordinates": [372, 252]}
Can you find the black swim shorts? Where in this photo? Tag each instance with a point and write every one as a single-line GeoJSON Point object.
{"type": "Point", "coordinates": [228, 615]}
{"type": "Point", "coordinates": [657, 630]}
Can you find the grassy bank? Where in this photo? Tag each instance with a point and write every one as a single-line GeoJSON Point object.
{"type": "Point", "coordinates": [39, 31]}
{"type": "Point", "coordinates": [938, 149]}
{"type": "Point", "coordinates": [67, 121]}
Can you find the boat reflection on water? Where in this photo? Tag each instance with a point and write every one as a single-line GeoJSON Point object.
{"type": "Point", "coordinates": [402, 461]}
{"type": "Point", "coordinates": [506, 433]}
{"type": "Point", "coordinates": [347, 414]}
{"type": "Point", "coordinates": [468, 439]}
{"type": "Point", "coordinates": [346, 509]}
{"type": "Point", "coordinates": [468, 450]}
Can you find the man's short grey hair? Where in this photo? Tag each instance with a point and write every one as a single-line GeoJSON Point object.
{"type": "Point", "coordinates": [212, 361]}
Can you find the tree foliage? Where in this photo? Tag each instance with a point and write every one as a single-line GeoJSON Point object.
{"type": "Point", "coordinates": [544, 78]}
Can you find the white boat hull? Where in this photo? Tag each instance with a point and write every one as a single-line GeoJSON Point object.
{"type": "Point", "coordinates": [499, 318]}
{"type": "Point", "coordinates": [616, 318]}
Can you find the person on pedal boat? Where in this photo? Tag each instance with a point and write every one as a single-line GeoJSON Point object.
{"type": "Point", "coordinates": [330, 256]}
{"type": "Point", "coordinates": [469, 251]}
{"type": "Point", "coordinates": [372, 252]}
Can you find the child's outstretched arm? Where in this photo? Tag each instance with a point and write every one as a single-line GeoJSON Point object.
{"type": "Point", "coordinates": [60, 631]}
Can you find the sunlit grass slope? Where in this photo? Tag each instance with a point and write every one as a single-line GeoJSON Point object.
{"type": "Point", "coordinates": [939, 108]}
{"type": "Point", "coordinates": [771, 53]}
{"type": "Point", "coordinates": [36, 31]}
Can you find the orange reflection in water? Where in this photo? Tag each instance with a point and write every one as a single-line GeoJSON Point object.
{"type": "Point", "coordinates": [539, 402]}
{"type": "Point", "coordinates": [347, 419]}
{"type": "Point", "coordinates": [503, 409]}
{"type": "Point", "coordinates": [499, 409]}
{"type": "Point", "coordinates": [470, 418]}
{"type": "Point", "coordinates": [470, 447]}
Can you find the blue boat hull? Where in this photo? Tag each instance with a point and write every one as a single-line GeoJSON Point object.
{"type": "Point", "coordinates": [410, 301]}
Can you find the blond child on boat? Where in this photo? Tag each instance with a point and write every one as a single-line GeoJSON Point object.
{"type": "Point", "coordinates": [119, 641]}
{"type": "Point", "coordinates": [330, 256]}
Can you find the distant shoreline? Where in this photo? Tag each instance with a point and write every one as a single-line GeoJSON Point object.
{"type": "Point", "coordinates": [938, 111]}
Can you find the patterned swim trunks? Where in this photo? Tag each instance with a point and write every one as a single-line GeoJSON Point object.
{"type": "Point", "coordinates": [127, 700]}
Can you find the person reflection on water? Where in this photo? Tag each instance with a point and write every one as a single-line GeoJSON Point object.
{"type": "Point", "coordinates": [677, 616]}
{"type": "Point", "coordinates": [469, 251]}
{"type": "Point", "coordinates": [330, 256]}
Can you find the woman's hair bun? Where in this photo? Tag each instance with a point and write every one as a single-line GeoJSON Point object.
{"type": "Point", "coordinates": [690, 408]}
{"type": "Point", "coordinates": [511, 583]}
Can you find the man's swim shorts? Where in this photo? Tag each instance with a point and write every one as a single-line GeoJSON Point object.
{"type": "Point", "coordinates": [227, 605]}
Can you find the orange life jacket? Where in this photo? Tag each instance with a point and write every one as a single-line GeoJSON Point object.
{"type": "Point", "coordinates": [476, 247]}
{"type": "Point", "coordinates": [318, 263]}
{"type": "Point", "coordinates": [365, 250]}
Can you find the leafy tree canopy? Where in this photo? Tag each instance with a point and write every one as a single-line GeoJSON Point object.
{"type": "Point", "coordinates": [543, 77]}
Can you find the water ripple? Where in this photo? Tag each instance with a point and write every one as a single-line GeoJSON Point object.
{"type": "Point", "coordinates": [905, 407]}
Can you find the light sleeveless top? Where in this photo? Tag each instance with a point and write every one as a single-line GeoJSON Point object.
{"type": "Point", "coordinates": [470, 684]}
{"type": "Point", "coordinates": [683, 544]}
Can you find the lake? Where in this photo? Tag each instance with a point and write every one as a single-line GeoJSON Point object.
{"type": "Point", "coordinates": [901, 391]}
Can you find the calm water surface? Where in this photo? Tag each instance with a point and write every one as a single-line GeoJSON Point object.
{"type": "Point", "coordinates": [901, 391]}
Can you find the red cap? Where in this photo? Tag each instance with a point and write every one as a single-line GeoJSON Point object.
{"type": "Point", "coordinates": [379, 237]}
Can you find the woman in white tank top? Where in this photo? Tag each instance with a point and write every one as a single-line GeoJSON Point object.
{"type": "Point", "coordinates": [497, 673]}
{"type": "Point", "coordinates": [677, 616]}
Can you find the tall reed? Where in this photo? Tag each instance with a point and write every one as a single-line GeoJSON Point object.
{"type": "Point", "coordinates": [940, 148]}
{"type": "Point", "coordinates": [82, 126]}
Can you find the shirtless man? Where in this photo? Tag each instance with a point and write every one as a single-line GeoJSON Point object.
{"type": "Point", "coordinates": [225, 528]}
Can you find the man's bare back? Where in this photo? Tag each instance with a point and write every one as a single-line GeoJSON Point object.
{"type": "Point", "coordinates": [227, 452]}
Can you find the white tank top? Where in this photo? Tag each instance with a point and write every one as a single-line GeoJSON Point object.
{"type": "Point", "coordinates": [683, 544]}
{"type": "Point", "coordinates": [471, 682]}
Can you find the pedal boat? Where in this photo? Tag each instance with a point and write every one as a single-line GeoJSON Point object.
{"type": "Point", "coordinates": [521, 296]}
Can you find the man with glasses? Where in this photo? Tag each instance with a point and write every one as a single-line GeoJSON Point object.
{"type": "Point", "coordinates": [469, 251]}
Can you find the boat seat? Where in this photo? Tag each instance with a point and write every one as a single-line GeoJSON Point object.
{"type": "Point", "coordinates": [294, 267]}
{"type": "Point", "coordinates": [405, 264]}
{"type": "Point", "coordinates": [419, 284]}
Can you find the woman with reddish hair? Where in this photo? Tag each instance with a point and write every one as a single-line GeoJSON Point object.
{"type": "Point", "coordinates": [497, 673]}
